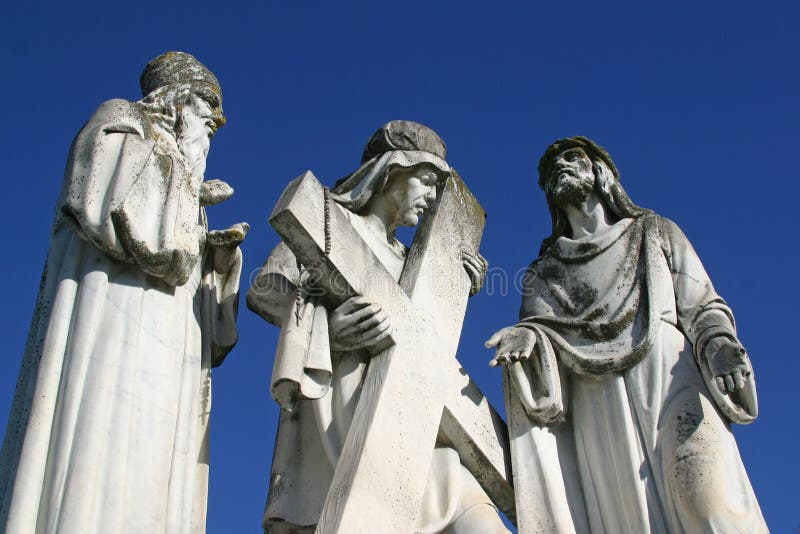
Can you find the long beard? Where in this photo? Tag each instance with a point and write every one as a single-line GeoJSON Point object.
{"type": "Point", "coordinates": [194, 143]}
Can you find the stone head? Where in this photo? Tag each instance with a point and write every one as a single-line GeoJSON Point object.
{"type": "Point", "coordinates": [402, 165]}
{"type": "Point", "coordinates": [183, 89]}
{"type": "Point", "coordinates": [573, 168]}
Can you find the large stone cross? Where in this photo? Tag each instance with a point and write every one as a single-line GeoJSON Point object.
{"type": "Point", "coordinates": [414, 387]}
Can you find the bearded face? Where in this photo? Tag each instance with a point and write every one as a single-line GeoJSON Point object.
{"type": "Point", "coordinates": [571, 178]}
{"type": "Point", "coordinates": [198, 122]}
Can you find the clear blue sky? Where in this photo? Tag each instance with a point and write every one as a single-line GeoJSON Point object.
{"type": "Point", "coordinates": [697, 103]}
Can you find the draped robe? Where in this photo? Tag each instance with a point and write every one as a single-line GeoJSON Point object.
{"type": "Point", "coordinates": [616, 422]}
{"type": "Point", "coordinates": [108, 429]}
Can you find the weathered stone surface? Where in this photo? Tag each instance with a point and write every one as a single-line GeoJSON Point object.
{"type": "Point", "coordinates": [108, 428]}
{"type": "Point", "coordinates": [412, 388]}
{"type": "Point", "coordinates": [619, 309]}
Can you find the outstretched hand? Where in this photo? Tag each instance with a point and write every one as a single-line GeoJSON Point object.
{"type": "Point", "coordinates": [224, 244]}
{"type": "Point", "coordinates": [230, 237]}
{"type": "Point", "coordinates": [513, 343]}
{"type": "Point", "coordinates": [357, 324]}
{"type": "Point", "coordinates": [729, 364]}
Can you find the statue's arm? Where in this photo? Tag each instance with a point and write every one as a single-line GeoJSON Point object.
{"type": "Point", "coordinates": [119, 195]}
{"type": "Point", "coordinates": [702, 314]}
{"type": "Point", "coordinates": [273, 291]}
{"type": "Point", "coordinates": [709, 325]}
{"type": "Point", "coordinates": [529, 358]}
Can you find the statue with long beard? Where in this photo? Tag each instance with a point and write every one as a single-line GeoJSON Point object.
{"type": "Point", "coordinates": [108, 430]}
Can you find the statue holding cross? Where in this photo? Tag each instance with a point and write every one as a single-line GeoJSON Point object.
{"type": "Point", "coordinates": [381, 430]}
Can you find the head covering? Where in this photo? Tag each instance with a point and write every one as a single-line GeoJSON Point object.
{"type": "Point", "coordinates": [174, 67]}
{"type": "Point", "coordinates": [592, 149]}
{"type": "Point", "coordinates": [404, 135]}
{"type": "Point", "coordinates": [396, 144]}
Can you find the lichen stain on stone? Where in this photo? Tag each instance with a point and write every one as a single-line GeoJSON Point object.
{"type": "Point", "coordinates": [581, 294]}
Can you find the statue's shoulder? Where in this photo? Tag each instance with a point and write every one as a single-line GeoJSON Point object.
{"type": "Point", "coordinates": [668, 231]}
{"type": "Point", "coordinates": [119, 116]}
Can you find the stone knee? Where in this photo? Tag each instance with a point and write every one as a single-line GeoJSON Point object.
{"type": "Point", "coordinates": [478, 519]}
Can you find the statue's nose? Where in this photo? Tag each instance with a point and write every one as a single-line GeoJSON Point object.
{"type": "Point", "coordinates": [218, 118]}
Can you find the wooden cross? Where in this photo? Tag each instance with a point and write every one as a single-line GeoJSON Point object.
{"type": "Point", "coordinates": [414, 387]}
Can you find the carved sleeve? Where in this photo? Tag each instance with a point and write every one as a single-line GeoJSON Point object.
{"type": "Point", "coordinates": [272, 293]}
{"type": "Point", "coordinates": [702, 314]}
{"type": "Point", "coordinates": [123, 197]}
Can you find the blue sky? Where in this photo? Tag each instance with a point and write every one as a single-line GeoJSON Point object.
{"type": "Point", "coordinates": [696, 102]}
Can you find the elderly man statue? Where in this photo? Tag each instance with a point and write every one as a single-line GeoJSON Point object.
{"type": "Point", "coordinates": [108, 429]}
{"type": "Point", "coordinates": [625, 370]}
{"type": "Point", "coordinates": [402, 165]}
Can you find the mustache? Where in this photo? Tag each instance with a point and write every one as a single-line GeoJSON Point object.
{"type": "Point", "coordinates": [563, 170]}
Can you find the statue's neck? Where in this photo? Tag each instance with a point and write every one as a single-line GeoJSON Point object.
{"type": "Point", "coordinates": [588, 217]}
{"type": "Point", "coordinates": [379, 218]}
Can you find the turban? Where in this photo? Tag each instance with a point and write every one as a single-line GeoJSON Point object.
{"type": "Point", "coordinates": [174, 67]}
{"type": "Point", "coordinates": [592, 149]}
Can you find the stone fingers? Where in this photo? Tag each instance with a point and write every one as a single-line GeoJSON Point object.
{"type": "Point", "coordinates": [721, 384]}
{"type": "Point", "coordinates": [500, 359]}
{"type": "Point", "coordinates": [352, 304]}
{"type": "Point", "coordinates": [738, 379]}
{"type": "Point", "coordinates": [374, 335]}
{"type": "Point", "coordinates": [361, 321]}
{"type": "Point", "coordinates": [731, 382]}
{"type": "Point", "coordinates": [475, 265]}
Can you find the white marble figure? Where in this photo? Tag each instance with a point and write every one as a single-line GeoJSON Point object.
{"type": "Point", "coordinates": [401, 166]}
{"type": "Point", "coordinates": [109, 425]}
{"type": "Point", "coordinates": [624, 372]}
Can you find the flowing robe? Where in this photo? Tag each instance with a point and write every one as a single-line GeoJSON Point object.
{"type": "Point", "coordinates": [622, 320]}
{"type": "Point", "coordinates": [319, 391]}
{"type": "Point", "coordinates": [108, 429]}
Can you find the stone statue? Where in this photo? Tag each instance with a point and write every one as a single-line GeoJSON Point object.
{"type": "Point", "coordinates": [624, 373]}
{"type": "Point", "coordinates": [108, 429]}
{"type": "Point", "coordinates": [402, 165]}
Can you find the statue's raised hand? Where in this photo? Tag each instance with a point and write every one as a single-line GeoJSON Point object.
{"type": "Point", "coordinates": [214, 191]}
{"type": "Point", "coordinates": [476, 266]}
{"type": "Point", "coordinates": [729, 364]}
{"type": "Point", "coordinates": [357, 324]}
{"type": "Point", "coordinates": [513, 344]}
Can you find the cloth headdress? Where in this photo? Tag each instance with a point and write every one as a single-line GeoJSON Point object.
{"type": "Point", "coordinates": [174, 67]}
{"type": "Point", "coordinates": [397, 143]}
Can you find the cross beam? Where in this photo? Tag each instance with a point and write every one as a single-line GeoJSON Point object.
{"type": "Point", "coordinates": [414, 387]}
